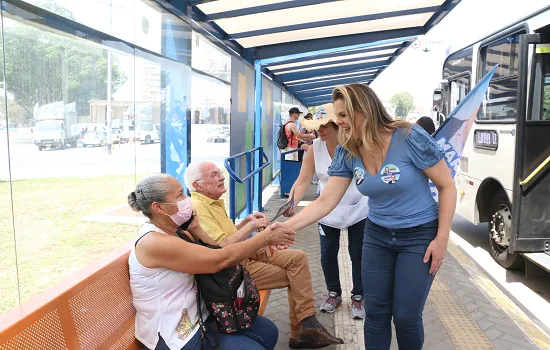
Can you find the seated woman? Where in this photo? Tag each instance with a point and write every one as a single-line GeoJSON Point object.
{"type": "Point", "coordinates": [162, 266]}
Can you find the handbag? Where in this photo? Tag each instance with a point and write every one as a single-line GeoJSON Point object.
{"type": "Point", "coordinates": [230, 295]}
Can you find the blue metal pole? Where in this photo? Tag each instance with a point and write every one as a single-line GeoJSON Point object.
{"type": "Point", "coordinates": [282, 168]}
{"type": "Point", "coordinates": [260, 160]}
{"type": "Point", "coordinates": [232, 195]}
{"type": "Point", "coordinates": [258, 134]}
{"type": "Point", "coordinates": [186, 149]}
{"type": "Point", "coordinates": [248, 184]}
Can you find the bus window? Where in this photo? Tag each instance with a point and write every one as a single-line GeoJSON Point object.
{"type": "Point", "coordinates": [501, 99]}
{"type": "Point", "coordinates": [457, 71]}
{"type": "Point", "coordinates": [459, 89]}
{"type": "Point", "coordinates": [541, 90]}
{"type": "Point", "coordinates": [458, 63]}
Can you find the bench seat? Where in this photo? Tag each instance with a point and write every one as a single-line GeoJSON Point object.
{"type": "Point", "coordinates": [92, 309]}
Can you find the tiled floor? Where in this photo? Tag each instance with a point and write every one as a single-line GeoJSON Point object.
{"type": "Point", "coordinates": [458, 314]}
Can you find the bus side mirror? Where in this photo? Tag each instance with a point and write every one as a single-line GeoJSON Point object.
{"type": "Point", "coordinates": [436, 100]}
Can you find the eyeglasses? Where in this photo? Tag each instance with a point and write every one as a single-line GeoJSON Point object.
{"type": "Point", "coordinates": [215, 175]}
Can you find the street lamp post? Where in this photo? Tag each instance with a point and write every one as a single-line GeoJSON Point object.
{"type": "Point", "coordinates": [109, 84]}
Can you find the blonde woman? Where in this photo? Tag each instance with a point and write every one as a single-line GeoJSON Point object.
{"type": "Point", "coordinates": [406, 232]}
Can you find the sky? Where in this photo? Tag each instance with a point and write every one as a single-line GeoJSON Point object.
{"type": "Point", "coordinates": [419, 73]}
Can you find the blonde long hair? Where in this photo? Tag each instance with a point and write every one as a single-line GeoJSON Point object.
{"type": "Point", "coordinates": [361, 98]}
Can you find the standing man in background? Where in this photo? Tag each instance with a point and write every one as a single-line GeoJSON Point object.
{"type": "Point", "coordinates": [293, 134]}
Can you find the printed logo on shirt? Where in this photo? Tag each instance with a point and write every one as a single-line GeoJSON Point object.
{"type": "Point", "coordinates": [390, 173]}
{"type": "Point", "coordinates": [359, 174]}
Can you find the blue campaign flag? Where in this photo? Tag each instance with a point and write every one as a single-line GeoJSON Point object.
{"type": "Point", "coordinates": [452, 135]}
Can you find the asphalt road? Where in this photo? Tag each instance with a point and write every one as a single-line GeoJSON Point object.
{"type": "Point", "coordinates": [27, 162]}
{"type": "Point", "coordinates": [531, 294]}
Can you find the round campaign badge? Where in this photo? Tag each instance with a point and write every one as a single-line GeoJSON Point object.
{"type": "Point", "coordinates": [359, 174]}
{"type": "Point", "coordinates": [390, 173]}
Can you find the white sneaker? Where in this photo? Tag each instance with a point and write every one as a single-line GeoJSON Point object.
{"type": "Point", "coordinates": [332, 303]}
{"type": "Point", "coordinates": [357, 307]}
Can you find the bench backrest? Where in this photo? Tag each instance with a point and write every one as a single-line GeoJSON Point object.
{"type": "Point", "coordinates": [91, 310]}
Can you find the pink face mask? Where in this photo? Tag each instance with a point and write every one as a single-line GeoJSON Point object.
{"type": "Point", "coordinates": [185, 211]}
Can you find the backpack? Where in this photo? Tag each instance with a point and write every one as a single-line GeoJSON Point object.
{"type": "Point", "coordinates": [218, 291]}
{"type": "Point", "coordinates": [282, 140]}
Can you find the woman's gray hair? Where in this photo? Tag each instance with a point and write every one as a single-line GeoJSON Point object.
{"type": "Point", "coordinates": [153, 188]}
{"type": "Point", "coordinates": [192, 173]}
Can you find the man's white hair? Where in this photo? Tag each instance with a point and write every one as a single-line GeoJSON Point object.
{"type": "Point", "coordinates": [193, 173]}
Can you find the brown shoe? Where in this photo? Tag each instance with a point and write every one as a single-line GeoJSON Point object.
{"type": "Point", "coordinates": [319, 334]}
{"type": "Point", "coordinates": [306, 343]}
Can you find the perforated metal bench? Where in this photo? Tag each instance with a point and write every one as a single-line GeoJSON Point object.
{"type": "Point", "coordinates": [91, 310]}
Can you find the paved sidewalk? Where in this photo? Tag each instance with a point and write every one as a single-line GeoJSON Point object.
{"type": "Point", "coordinates": [308, 241]}
{"type": "Point", "coordinates": [463, 310]}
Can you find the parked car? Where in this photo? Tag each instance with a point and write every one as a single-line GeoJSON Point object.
{"type": "Point", "coordinates": [94, 138]}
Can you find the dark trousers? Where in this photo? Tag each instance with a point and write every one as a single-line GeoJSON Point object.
{"type": "Point", "coordinates": [330, 245]}
{"type": "Point", "coordinates": [396, 283]}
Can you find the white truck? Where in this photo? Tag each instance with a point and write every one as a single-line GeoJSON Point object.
{"type": "Point", "coordinates": [55, 125]}
{"type": "Point", "coordinates": [148, 132]}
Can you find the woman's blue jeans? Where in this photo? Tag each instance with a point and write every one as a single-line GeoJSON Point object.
{"type": "Point", "coordinates": [396, 283]}
{"type": "Point", "coordinates": [262, 335]}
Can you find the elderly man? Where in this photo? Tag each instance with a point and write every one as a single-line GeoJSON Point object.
{"type": "Point", "coordinates": [288, 268]}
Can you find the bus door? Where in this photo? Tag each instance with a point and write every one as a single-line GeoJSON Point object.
{"type": "Point", "coordinates": [531, 209]}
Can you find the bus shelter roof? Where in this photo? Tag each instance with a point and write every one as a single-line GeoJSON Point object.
{"type": "Point", "coordinates": [311, 46]}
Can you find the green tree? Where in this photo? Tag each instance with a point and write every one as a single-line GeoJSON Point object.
{"type": "Point", "coordinates": [18, 115]}
{"type": "Point", "coordinates": [402, 102]}
{"type": "Point", "coordinates": [43, 68]}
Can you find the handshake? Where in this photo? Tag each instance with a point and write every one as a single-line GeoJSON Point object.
{"type": "Point", "coordinates": [279, 235]}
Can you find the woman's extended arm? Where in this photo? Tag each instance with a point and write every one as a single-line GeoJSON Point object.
{"type": "Point", "coordinates": [328, 200]}
{"type": "Point", "coordinates": [161, 250]}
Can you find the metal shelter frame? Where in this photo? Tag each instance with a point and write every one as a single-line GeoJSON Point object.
{"type": "Point", "coordinates": [369, 51]}
{"type": "Point", "coordinates": [308, 47]}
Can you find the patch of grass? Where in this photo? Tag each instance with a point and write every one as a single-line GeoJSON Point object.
{"type": "Point", "coordinates": [52, 240]}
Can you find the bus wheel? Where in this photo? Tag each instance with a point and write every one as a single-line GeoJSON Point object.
{"type": "Point", "coordinates": [500, 231]}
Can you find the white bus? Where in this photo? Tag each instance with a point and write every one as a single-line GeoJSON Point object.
{"type": "Point", "coordinates": [504, 173]}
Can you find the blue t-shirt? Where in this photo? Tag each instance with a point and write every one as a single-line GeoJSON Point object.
{"type": "Point", "coordinates": [399, 195]}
